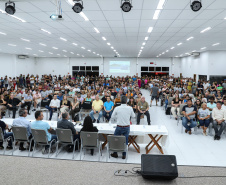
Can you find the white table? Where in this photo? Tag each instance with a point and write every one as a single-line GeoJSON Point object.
{"type": "Point", "coordinates": [158, 134]}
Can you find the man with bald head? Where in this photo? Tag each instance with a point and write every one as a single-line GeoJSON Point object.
{"type": "Point", "coordinates": [97, 107]}
{"type": "Point", "coordinates": [143, 108]}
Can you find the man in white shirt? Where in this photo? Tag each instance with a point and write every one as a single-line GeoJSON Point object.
{"type": "Point", "coordinates": [76, 89]}
{"type": "Point", "coordinates": [53, 106]}
{"type": "Point", "coordinates": [123, 114]}
{"type": "Point", "coordinates": [219, 117]}
{"type": "Point", "coordinates": [206, 86]}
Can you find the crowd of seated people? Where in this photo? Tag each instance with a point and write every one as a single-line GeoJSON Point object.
{"type": "Point", "coordinates": [67, 94]}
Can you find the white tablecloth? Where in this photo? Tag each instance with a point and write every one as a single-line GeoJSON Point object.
{"type": "Point", "coordinates": [106, 128]}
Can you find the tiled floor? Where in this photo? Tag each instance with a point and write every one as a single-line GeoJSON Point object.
{"type": "Point", "coordinates": [192, 149]}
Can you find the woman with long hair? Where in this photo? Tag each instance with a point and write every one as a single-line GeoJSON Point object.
{"type": "Point", "coordinates": [64, 105]}
{"type": "Point", "coordinates": [74, 107]}
{"type": "Point", "coordinates": [132, 104]}
{"type": "Point", "coordinates": [88, 127]}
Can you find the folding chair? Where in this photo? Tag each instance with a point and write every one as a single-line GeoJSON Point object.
{"type": "Point", "coordinates": [20, 135]}
{"type": "Point", "coordinates": [116, 144]}
{"type": "Point", "coordinates": [90, 140]}
{"type": "Point", "coordinates": [65, 137]}
{"type": "Point", "coordinates": [40, 138]}
{"type": "Point", "coordinates": [4, 140]}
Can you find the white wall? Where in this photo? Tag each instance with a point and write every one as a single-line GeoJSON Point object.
{"type": "Point", "coordinates": [63, 66]}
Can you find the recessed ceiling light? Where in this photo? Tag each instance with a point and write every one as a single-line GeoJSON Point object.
{"type": "Point", "coordinates": [225, 18]}
{"type": "Point", "coordinates": [167, 50]}
{"type": "Point", "coordinates": [65, 51]}
{"type": "Point", "coordinates": [41, 51]}
{"type": "Point", "coordinates": [83, 47]}
{"type": "Point", "coordinates": [12, 45]}
{"type": "Point", "coordinates": [89, 50]}
{"type": "Point", "coordinates": [98, 54]}
{"type": "Point", "coordinates": [104, 38]}
{"type": "Point", "coordinates": [190, 38]}
{"type": "Point", "coordinates": [96, 30]}
{"type": "Point", "coordinates": [35, 54]}
{"type": "Point", "coordinates": [114, 50]}
{"type": "Point", "coordinates": [142, 47]}
{"type": "Point", "coordinates": [2, 33]}
{"type": "Point", "coordinates": [176, 56]}
{"type": "Point", "coordinates": [55, 48]}
{"type": "Point", "coordinates": [172, 48]}
{"type": "Point", "coordinates": [163, 53]}
{"type": "Point", "coordinates": [203, 48]}
{"type": "Point", "coordinates": [84, 16]}
{"type": "Point", "coordinates": [28, 48]}
{"type": "Point", "coordinates": [108, 44]}
{"type": "Point", "coordinates": [143, 43]}
{"type": "Point", "coordinates": [161, 4]}
{"type": "Point", "coordinates": [63, 39]}
{"type": "Point", "coordinates": [46, 31]}
{"type": "Point", "coordinates": [74, 44]}
{"type": "Point", "coordinates": [146, 38]}
{"type": "Point", "coordinates": [94, 52]}
{"type": "Point", "coordinates": [206, 29]}
{"type": "Point", "coordinates": [112, 47]}
{"type": "Point", "coordinates": [72, 53]}
{"type": "Point", "coordinates": [50, 53]}
{"type": "Point", "coordinates": [150, 29]}
{"type": "Point", "coordinates": [25, 39]}
{"type": "Point", "coordinates": [78, 54]}
{"type": "Point", "coordinates": [160, 54]}
{"type": "Point", "coordinates": [42, 44]}
{"type": "Point", "coordinates": [216, 44]}
{"type": "Point", "coordinates": [179, 43]}
{"type": "Point", "coordinates": [156, 14]}
{"type": "Point", "coordinates": [58, 54]}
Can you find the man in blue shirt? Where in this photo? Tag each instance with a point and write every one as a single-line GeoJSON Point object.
{"type": "Point", "coordinates": [108, 108]}
{"type": "Point", "coordinates": [39, 124]}
{"type": "Point", "coordinates": [22, 122]}
{"type": "Point", "coordinates": [60, 96]}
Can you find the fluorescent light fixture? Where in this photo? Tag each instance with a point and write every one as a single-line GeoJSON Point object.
{"type": "Point", "coordinates": [65, 51]}
{"type": "Point", "coordinates": [55, 48]}
{"type": "Point", "coordinates": [96, 30]}
{"type": "Point", "coordinates": [65, 56]}
{"type": "Point", "coordinates": [163, 53]}
{"type": "Point", "coordinates": [104, 38]}
{"type": "Point", "coordinates": [161, 4]}
{"type": "Point", "coordinates": [176, 56]}
{"type": "Point", "coordinates": [74, 44]}
{"type": "Point", "coordinates": [156, 14]}
{"type": "Point", "coordinates": [50, 53]}
{"type": "Point", "coordinates": [203, 48]}
{"type": "Point", "coordinates": [12, 45]}
{"type": "Point", "coordinates": [225, 18]}
{"type": "Point", "coordinates": [114, 50]}
{"type": "Point", "coordinates": [157, 56]}
{"type": "Point", "coordinates": [2, 33]}
{"type": "Point", "coordinates": [98, 54]}
{"type": "Point", "coordinates": [146, 38]}
{"type": "Point", "coordinates": [42, 44]}
{"type": "Point", "coordinates": [78, 54]}
{"type": "Point", "coordinates": [216, 44]}
{"type": "Point", "coordinates": [25, 39]}
{"type": "Point", "coordinates": [83, 47]}
{"type": "Point", "coordinates": [41, 51]}
{"type": "Point", "coordinates": [194, 51]}
{"type": "Point", "coordinates": [150, 29]}
{"type": "Point", "coordinates": [28, 48]}
{"type": "Point", "coordinates": [206, 29]}
{"type": "Point", "coordinates": [46, 31]}
{"type": "Point", "coordinates": [72, 53]}
{"type": "Point", "coordinates": [89, 50]}
{"type": "Point", "coordinates": [143, 43]}
{"type": "Point", "coordinates": [179, 43]}
{"type": "Point", "coordinates": [142, 47]}
{"type": "Point", "coordinates": [58, 54]}
{"type": "Point", "coordinates": [160, 54]}
{"type": "Point", "coordinates": [94, 52]}
{"type": "Point", "coordinates": [13, 16]}
{"type": "Point", "coordinates": [181, 55]}
{"type": "Point", "coordinates": [167, 51]}
{"type": "Point", "coordinates": [108, 44]}
{"type": "Point", "coordinates": [35, 54]}
{"type": "Point", "coordinates": [84, 16]}
{"type": "Point", "coordinates": [172, 48]}
{"type": "Point", "coordinates": [190, 38]}
{"type": "Point", "coordinates": [61, 38]}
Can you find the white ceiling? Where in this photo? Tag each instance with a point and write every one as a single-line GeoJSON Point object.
{"type": "Point", "coordinates": [125, 31]}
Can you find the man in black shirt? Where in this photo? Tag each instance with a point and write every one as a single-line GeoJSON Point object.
{"type": "Point", "coordinates": [6, 135]}
{"type": "Point", "coordinates": [13, 104]}
{"type": "Point", "coordinates": [65, 124]}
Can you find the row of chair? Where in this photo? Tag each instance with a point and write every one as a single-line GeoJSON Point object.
{"type": "Point", "coordinates": [89, 140]}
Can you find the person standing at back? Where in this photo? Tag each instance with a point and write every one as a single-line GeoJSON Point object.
{"type": "Point", "coordinates": [154, 94]}
{"type": "Point", "coordinates": [123, 114]}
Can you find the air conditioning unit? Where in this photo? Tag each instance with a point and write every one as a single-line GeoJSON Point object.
{"type": "Point", "coordinates": [196, 54]}
{"type": "Point", "coordinates": [23, 56]}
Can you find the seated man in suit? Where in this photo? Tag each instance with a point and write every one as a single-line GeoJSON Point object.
{"type": "Point", "coordinates": [65, 124]}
